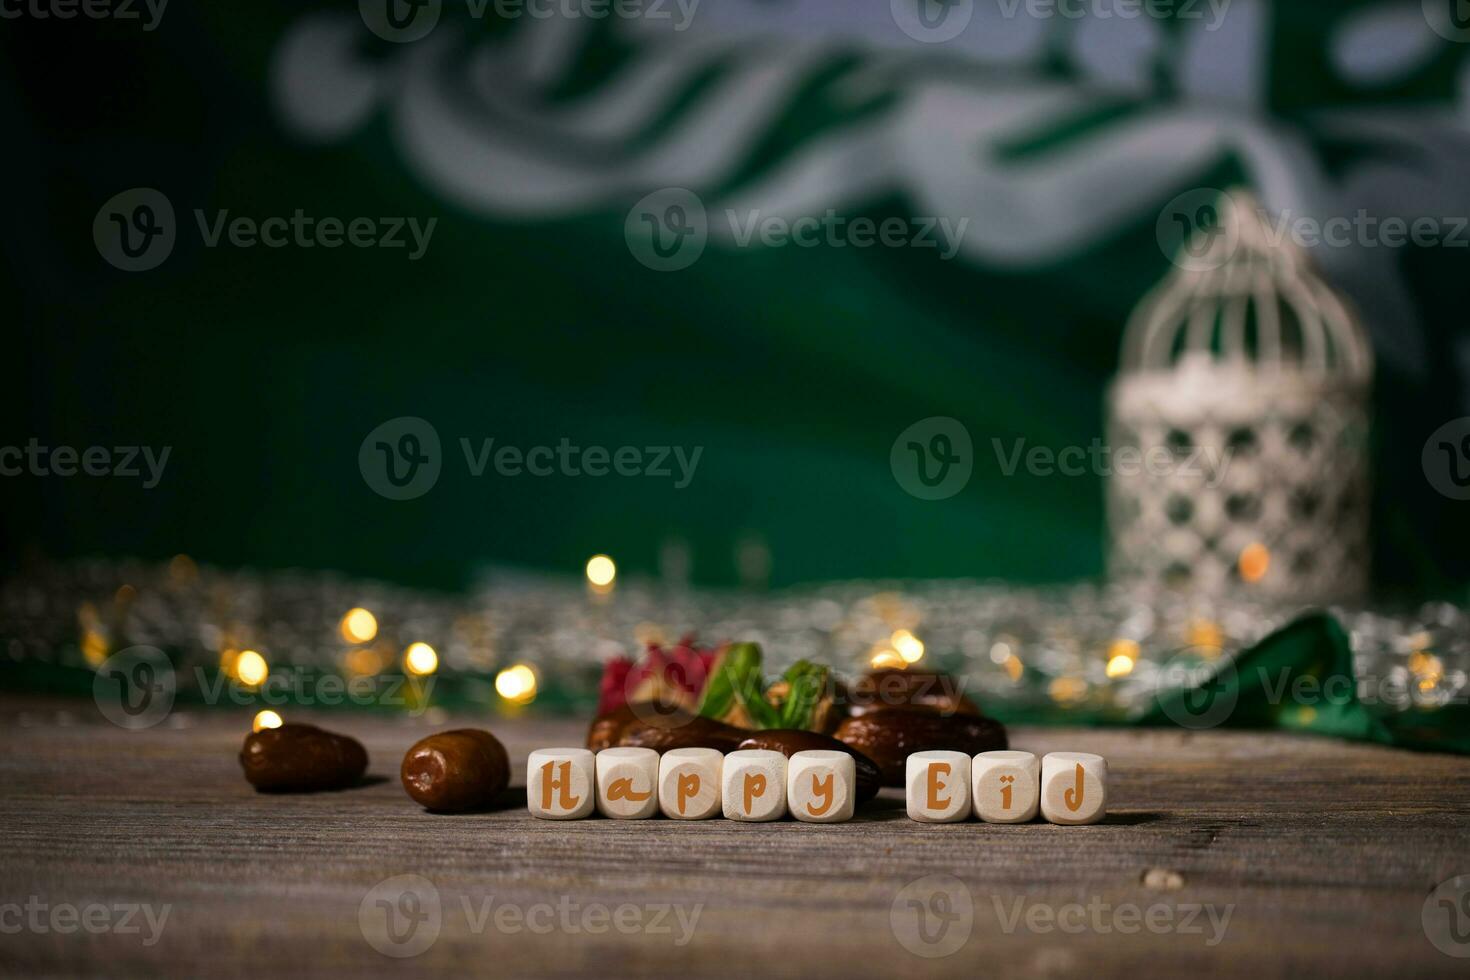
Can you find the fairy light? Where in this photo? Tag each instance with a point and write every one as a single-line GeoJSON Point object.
{"type": "Point", "coordinates": [420, 659]}
{"type": "Point", "coordinates": [251, 668]}
{"type": "Point", "coordinates": [1254, 562]}
{"type": "Point", "coordinates": [1067, 690]}
{"type": "Point", "coordinates": [266, 719]}
{"type": "Point", "coordinates": [516, 684]}
{"type": "Point", "coordinates": [601, 573]}
{"type": "Point", "coordinates": [909, 646]}
{"type": "Point", "coordinates": [359, 626]}
{"type": "Point", "coordinates": [886, 658]}
{"type": "Point", "coordinates": [1122, 657]}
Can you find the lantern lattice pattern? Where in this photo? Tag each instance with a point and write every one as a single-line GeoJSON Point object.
{"type": "Point", "coordinates": [1244, 391]}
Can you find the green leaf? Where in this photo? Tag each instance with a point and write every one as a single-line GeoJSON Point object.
{"type": "Point", "coordinates": [806, 682]}
{"type": "Point", "coordinates": [735, 680]}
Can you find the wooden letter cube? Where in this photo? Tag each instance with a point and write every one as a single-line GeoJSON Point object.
{"type": "Point", "coordinates": [561, 784]}
{"type": "Point", "coordinates": [627, 783]}
{"type": "Point", "coordinates": [689, 783]}
{"type": "Point", "coordinates": [937, 786]}
{"type": "Point", "coordinates": [1074, 787]}
{"type": "Point", "coordinates": [754, 785]}
{"type": "Point", "coordinates": [820, 786]}
{"type": "Point", "coordinates": [1006, 786]}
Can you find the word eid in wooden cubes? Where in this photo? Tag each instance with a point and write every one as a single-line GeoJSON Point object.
{"type": "Point", "coordinates": [937, 785]}
{"type": "Point", "coordinates": [1006, 786]}
{"type": "Point", "coordinates": [561, 783]}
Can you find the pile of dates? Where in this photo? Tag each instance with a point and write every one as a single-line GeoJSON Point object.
{"type": "Point", "coordinates": [880, 719]}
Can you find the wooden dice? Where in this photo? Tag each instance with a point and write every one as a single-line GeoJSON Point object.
{"type": "Point", "coordinates": [937, 785]}
{"type": "Point", "coordinates": [821, 785]}
{"type": "Point", "coordinates": [689, 783]}
{"type": "Point", "coordinates": [561, 784]}
{"type": "Point", "coordinates": [753, 785]}
{"type": "Point", "coordinates": [1074, 787]}
{"type": "Point", "coordinates": [627, 783]}
{"type": "Point", "coordinates": [1006, 786]}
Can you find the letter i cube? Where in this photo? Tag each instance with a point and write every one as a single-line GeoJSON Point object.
{"type": "Point", "coordinates": [689, 783]}
{"type": "Point", "coordinates": [627, 783]}
{"type": "Point", "coordinates": [1074, 787]}
{"type": "Point", "coordinates": [1006, 786]}
{"type": "Point", "coordinates": [937, 786]}
{"type": "Point", "coordinates": [560, 784]}
{"type": "Point", "coordinates": [754, 785]}
{"type": "Point", "coordinates": [820, 786]}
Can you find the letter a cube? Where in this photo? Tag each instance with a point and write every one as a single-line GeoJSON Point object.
{"type": "Point", "coordinates": [754, 785]}
{"type": "Point", "coordinates": [1074, 787]}
{"type": "Point", "coordinates": [560, 784]}
{"type": "Point", "coordinates": [820, 786]}
{"type": "Point", "coordinates": [937, 786]}
{"type": "Point", "coordinates": [1006, 786]}
{"type": "Point", "coordinates": [689, 783]}
{"type": "Point", "coordinates": [627, 783]}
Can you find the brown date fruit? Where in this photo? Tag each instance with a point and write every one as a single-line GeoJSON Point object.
{"type": "Point", "coordinates": [895, 687]}
{"type": "Point", "coordinates": [889, 736]}
{"type": "Point", "coordinates": [698, 732]}
{"type": "Point", "coordinates": [789, 741]}
{"type": "Point", "coordinates": [455, 771]}
{"type": "Point", "coordinates": [606, 730]}
{"type": "Point", "coordinates": [301, 759]}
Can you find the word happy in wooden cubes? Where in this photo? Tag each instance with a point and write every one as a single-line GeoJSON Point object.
{"type": "Point", "coordinates": [689, 783]}
{"type": "Point", "coordinates": [937, 786]}
{"type": "Point", "coordinates": [627, 783]}
{"type": "Point", "coordinates": [1074, 787]}
{"type": "Point", "coordinates": [753, 786]}
{"type": "Point", "coordinates": [1005, 786]}
{"type": "Point", "coordinates": [561, 783]}
{"type": "Point", "coordinates": [820, 786]}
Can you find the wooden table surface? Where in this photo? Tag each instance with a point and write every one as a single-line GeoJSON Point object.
{"type": "Point", "coordinates": [1223, 854]}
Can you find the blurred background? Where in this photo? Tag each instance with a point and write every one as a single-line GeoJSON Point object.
{"type": "Point", "coordinates": [596, 227]}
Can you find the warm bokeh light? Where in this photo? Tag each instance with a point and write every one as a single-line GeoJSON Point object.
{"type": "Point", "coordinates": [1255, 561]}
{"type": "Point", "coordinates": [182, 571]}
{"type": "Point", "coordinates": [420, 659]}
{"type": "Point", "coordinates": [1067, 690]}
{"type": "Point", "coordinates": [366, 661]}
{"type": "Point", "coordinates": [1122, 656]}
{"type": "Point", "coordinates": [359, 626]}
{"type": "Point", "coordinates": [94, 648]}
{"type": "Point", "coordinates": [886, 658]}
{"type": "Point", "coordinates": [601, 571]}
{"type": "Point", "coordinates": [251, 668]}
{"type": "Point", "coordinates": [266, 719]}
{"type": "Point", "coordinates": [1205, 636]}
{"type": "Point", "coordinates": [516, 684]}
{"type": "Point", "coordinates": [909, 646]}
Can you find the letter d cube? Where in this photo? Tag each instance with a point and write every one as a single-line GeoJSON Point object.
{"type": "Point", "coordinates": [1074, 787]}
